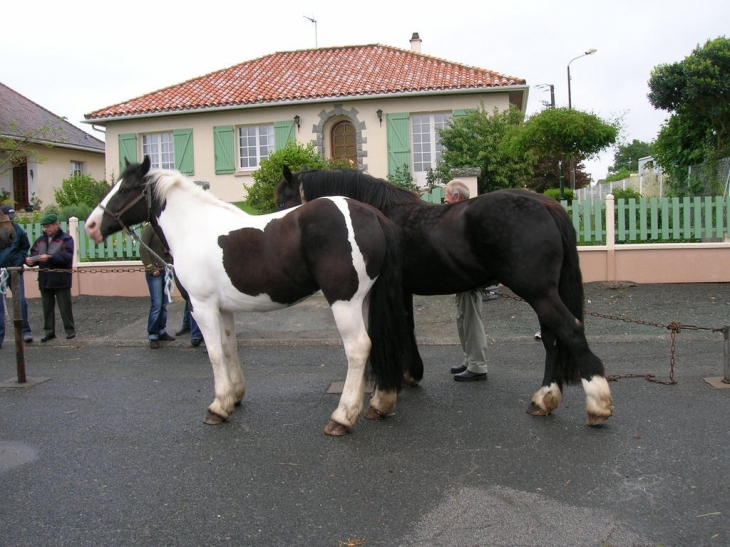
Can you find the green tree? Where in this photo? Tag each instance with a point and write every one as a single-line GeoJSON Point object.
{"type": "Point", "coordinates": [295, 156]}
{"type": "Point", "coordinates": [481, 139]}
{"type": "Point", "coordinates": [80, 190]}
{"type": "Point", "coordinates": [696, 91]}
{"type": "Point", "coordinates": [565, 135]}
{"type": "Point", "coordinates": [627, 156]}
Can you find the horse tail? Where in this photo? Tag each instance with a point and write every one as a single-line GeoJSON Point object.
{"type": "Point", "coordinates": [570, 287]}
{"type": "Point", "coordinates": [387, 321]}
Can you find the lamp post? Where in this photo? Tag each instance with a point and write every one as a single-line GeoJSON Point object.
{"type": "Point", "coordinates": [570, 106]}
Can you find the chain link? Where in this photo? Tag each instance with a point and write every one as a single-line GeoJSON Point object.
{"type": "Point", "coordinates": [674, 327]}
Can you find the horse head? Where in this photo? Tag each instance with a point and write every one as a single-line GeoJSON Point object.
{"type": "Point", "coordinates": [129, 202]}
{"type": "Point", "coordinates": [288, 192]}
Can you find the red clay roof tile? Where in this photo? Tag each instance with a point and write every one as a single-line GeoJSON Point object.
{"type": "Point", "coordinates": [302, 75]}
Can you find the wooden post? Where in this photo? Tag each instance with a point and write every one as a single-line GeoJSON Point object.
{"type": "Point", "coordinates": [15, 274]}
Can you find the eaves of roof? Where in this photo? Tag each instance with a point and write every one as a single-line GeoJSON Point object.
{"type": "Point", "coordinates": [408, 94]}
{"type": "Point", "coordinates": [315, 75]}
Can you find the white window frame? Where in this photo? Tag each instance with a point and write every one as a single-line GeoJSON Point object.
{"type": "Point", "coordinates": [426, 147]}
{"type": "Point", "coordinates": [254, 143]}
{"type": "Point", "coordinates": [160, 147]}
{"type": "Point", "coordinates": [77, 168]}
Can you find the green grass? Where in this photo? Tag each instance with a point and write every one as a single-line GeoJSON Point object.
{"type": "Point", "coordinates": [245, 207]}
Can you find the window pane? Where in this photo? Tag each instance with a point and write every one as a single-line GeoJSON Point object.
{"type": "Point", "coordinates": [160, 149]}
{"type": "Point", "coordinates": [255, 143]}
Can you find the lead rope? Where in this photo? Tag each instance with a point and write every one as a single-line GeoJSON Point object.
{"type": "Point", "coordinates": [169, 269]}
{"type": "Point", "coordinates": [4, 289]}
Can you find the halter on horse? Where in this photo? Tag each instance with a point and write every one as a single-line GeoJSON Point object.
{"type": "Point", "coordinates": [523, 240]}
{"type": "Point", "coordinates": [228, 261]}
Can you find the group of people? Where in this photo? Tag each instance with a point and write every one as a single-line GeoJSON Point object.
{"type": "Point", "coordinates": [53, 253]}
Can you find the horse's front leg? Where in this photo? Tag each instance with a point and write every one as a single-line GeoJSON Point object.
{"type": "Point", "coordinates": [413, 369]}
{"type": "Point", "coordinates": [218, 329]}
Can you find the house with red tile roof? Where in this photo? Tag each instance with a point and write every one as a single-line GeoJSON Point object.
{"type": "Point", "coordinates": [46, 150]}
{"type": "Point", "coordinates": [378, 106]}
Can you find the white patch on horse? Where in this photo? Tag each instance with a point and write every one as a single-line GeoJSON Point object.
{"type": "Point", "coordinates": [358, 260]}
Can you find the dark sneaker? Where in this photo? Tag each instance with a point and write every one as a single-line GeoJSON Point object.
{"type": "Point", "coordinates": [166, 338]}
{"type": "Point", "coordinates": [154, 344]}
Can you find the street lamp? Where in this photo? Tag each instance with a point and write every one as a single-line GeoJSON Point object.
{"type": "Point", "coordinates": [589, 52]}
{"type": "Point", "coordinates": [570, 106]}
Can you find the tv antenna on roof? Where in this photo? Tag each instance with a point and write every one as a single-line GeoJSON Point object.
{"type": "Point", "coordinates": [313, 20]}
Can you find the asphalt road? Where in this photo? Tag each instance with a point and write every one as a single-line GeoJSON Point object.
{"type": "Point", "coordinates": [112, 451]}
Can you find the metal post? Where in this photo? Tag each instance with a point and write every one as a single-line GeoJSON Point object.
{"type": "Point", "coordinates": [726, 336]}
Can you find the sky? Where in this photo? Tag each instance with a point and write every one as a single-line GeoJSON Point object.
{"type": "Point", "coordinates": [76, 56]}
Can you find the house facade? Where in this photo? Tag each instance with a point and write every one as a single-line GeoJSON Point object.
{"type": "Point", "coordinates": [379, 107]}
{"type": "Point", "coordinates": [41, 150]}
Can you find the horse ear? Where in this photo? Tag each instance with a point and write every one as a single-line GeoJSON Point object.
{"type": "Point", "coordinates": [145, 167]}
{"type": "Point", "coordinates": [287, 173]}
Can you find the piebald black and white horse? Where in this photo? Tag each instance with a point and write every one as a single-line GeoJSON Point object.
{"type": "Point", "coordinates": [226, 261]}
{"type": "Point", "coordinates": [521, 239]}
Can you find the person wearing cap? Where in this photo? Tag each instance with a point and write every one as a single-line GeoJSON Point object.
{"type": "Point", "coordinates": [54, 250]}
{"type": "Point", "coordinates": [13, 256]}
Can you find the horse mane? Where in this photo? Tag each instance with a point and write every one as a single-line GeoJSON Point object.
{"type": "Point", "coordinates": [163, 181]}
{"type": "Point", "coordinates": [354, 184]}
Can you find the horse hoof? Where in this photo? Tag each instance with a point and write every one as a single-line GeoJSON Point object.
{"type": "Point", "coordinates": [212, 418]}
{"type": "Point", "coordinates": [373, 414]}
{"type": "Point", "coordinates": [335, 429]}
{"type": "Point", "coordinates": [535, 410]}
{"type": "Point", "coordinates": [410, 382]}
{"type": "Point", "coordinates": [594, 420]}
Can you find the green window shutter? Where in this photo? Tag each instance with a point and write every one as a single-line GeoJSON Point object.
{"type": "Point", "coordinates": [183, 139]}
{"type": "Point", "coordinates": [459, 112]}
{"type": "Point", "coordinates": [399, 142]}
{"type": "Point", "coordinates": [223, 148]}
{"type": "Point", "coordinates": [283, 133]}
{"type": "Point", "coordinates": [127, 150]}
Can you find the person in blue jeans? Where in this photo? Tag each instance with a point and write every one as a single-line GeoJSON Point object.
{"type": "Point", "coordinates": [13, 256]}
{"type": "Point", "coordinates": [190, 325]}
{"type": "Point", "coordinates": [155, 277]}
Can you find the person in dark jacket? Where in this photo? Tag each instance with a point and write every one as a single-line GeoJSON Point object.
{"type": "Point", "coordinates": [13, 256]}
{"type": "Point", "coordinates": [54, 250]}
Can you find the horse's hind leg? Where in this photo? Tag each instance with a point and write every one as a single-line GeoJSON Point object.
{"type": "Point", "coordinates": [356, 341]}
{"type": "Point", "coordinates": [220, 340]}
{"type": "Point", "coordinates": [567, 349]}
{"type": "Point", "coordinates": [550, 395]}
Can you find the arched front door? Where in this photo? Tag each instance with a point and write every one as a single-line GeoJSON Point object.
{"type": "Point", "coordinates": [344, 142]}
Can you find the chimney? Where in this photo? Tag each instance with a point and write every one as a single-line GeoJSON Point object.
{"type": "Point", "coordinates": [416, 43]}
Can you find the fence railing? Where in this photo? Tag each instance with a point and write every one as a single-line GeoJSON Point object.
{"type": "Point", "coordinates": [652, 220]}
{"type": "Point", "coordinates": [645, 220]}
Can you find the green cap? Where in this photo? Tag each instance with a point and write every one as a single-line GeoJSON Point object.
{"type": "Point", "coordinates": [50, 218]}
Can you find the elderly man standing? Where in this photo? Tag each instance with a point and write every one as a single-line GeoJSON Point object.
{"type": "Point", "coordinates": [13, 256]}
{"type": "Point", "coordinates": [469, 320]}
{"type": "Point", "coordinates": [54, 250]}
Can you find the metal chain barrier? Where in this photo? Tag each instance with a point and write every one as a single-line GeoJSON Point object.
{"type": "Point", "coordinates": [674, 328]}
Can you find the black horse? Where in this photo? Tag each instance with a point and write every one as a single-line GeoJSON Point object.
{"type": "Point", "coordinates": [524, 240]}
